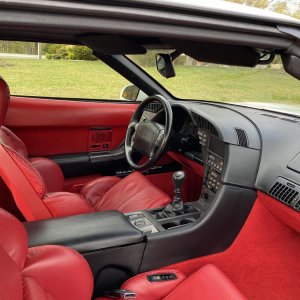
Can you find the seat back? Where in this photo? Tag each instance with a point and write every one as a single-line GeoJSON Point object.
{"type": "Point", "coordinates": [13, 252]}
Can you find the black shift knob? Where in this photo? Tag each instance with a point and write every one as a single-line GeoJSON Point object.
{"type": "Point", "coordinates": [178, 179]}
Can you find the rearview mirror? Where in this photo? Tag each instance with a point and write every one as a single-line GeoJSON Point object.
{"type": "Point", "coordinates": [164, 65]}
{"type": "Point", "coordinates": [291, 65]}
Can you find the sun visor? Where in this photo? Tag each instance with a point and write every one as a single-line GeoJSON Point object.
{"type": "Point", "coordinates": [217, 53]}
{"type": "Point", "coordinates": [111, 44]}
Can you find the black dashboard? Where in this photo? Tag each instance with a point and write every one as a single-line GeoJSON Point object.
{"type": "Point", "coordinates": [239, 146]}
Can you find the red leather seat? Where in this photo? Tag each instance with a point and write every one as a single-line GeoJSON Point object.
{"type": "Point", "coordinates": [39, 273]}
{"type": "Point", "coordinates": [206, 284]}
{"type": "Point", "coordinates": [37, 184]}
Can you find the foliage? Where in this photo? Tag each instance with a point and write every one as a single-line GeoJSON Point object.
{"type": "Point", "coordinates": [81, 53]}
{"type": "Point", "coordinates": [287, 7]}
{"type": "Point", "coordinates": [56, 51]}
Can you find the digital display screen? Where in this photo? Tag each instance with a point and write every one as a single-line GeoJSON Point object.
{"type": "Point", "coordinates": [216, 146]}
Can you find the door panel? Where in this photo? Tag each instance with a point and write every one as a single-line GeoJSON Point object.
{"type": "Point", "coordinates": [51, 127]}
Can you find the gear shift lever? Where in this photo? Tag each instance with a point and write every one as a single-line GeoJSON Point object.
{"type": "Point", "coordinates": [178, 180]}
{"type": "Point", "coordinates": [176, 206]}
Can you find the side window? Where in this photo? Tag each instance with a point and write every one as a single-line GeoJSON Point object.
{"type": "Point", "coordinates": [60, 71]}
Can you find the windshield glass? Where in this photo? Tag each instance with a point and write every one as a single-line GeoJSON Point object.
{"type": "Point", "coordinates": [203, 81]}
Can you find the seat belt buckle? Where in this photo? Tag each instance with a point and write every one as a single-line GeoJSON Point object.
{"type": "Point", "coordinates": [120, 294]}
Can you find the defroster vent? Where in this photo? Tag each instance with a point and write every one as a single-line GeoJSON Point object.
{"type": "Point", "coordinates": [205, 124]}
{"type": "Point", "coordinates": [286, 192]}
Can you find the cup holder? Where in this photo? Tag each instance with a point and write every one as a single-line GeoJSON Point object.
{"type": "Point", "coordinates": [170, 225]}
{"type": "Point", "coordinates": [174, 224]}
{"type": "Point", "coordinates": [186, 221]}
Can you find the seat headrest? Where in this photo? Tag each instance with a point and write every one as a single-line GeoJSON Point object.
{"type": "Point", "coordinates": [4, 99]}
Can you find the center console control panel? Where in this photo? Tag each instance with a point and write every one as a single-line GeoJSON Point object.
{"type": "Point", "coordinates": [142, 223]}
{"type": "Point", "coordinates": [149, 221]}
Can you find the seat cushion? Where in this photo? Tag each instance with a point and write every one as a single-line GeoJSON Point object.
{"type": "Point", "coordinates": [134, 192]}
{"type": "Point", "coordinates": [206, 284]}
{"type": "Point", "coordinates": [95, 190]}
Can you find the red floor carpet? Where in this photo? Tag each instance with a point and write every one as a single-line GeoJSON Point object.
{"type": "Point", "coordinates": [264, 260]}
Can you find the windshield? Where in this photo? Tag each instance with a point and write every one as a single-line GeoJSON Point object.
{"type": "Point", "coordinates": [259, 86]}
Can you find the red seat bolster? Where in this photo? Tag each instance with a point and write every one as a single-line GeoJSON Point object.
{"type": "Point", "coordinates": [206, 284]}
{"type": "Point", "coordinates": [146, 290]}
{"type": "Point", "coordinates": [62, 204]}
{"type": "Point", "coordinates": [8, 138]}
{"type": "Point", "coordinates": [50, 172]}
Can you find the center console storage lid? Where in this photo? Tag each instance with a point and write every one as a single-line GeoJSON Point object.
{"type": "Point", "coordinates": [86, 232]}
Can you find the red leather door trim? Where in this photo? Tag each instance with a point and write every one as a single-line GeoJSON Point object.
{"type": "Point", "coordinates": [49, 127]}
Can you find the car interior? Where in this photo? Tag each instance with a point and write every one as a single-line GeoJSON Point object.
{"type": "Point", "coordinates": [162, 198]}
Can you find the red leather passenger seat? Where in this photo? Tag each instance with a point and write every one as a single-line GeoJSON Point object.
{"type": "Point", "coordinates": [39, 273]}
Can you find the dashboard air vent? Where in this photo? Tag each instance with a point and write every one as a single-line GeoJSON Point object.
{"type": "Point", "coordinates": [242, 137]}
{"type": "Point", "coordinates": [154, 107]}
{"type": "Point", "coordinates": [286, 192]}
{"type": "Point", "coordinates": [204, 124]}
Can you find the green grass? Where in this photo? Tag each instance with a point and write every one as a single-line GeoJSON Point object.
{"type": "Point", "coordinates": [84, 79]}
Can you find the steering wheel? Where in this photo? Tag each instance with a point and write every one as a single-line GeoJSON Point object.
{"type": "Point", "coordinates": [147, 137]}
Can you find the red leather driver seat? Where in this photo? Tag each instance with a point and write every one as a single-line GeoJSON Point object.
{"type": "Point", "coordinates": [37, 184]}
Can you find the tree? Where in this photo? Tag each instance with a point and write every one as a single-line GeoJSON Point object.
{"type": "Point", "coordinates": [286, 7]}
{"type": "Point", "coordinates": [254, 3]}
{"type": "Point", "coordinates": [297, 12]}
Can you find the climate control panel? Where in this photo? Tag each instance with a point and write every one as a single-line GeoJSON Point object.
{"type": "Point", "coordinates": [215, 161]}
